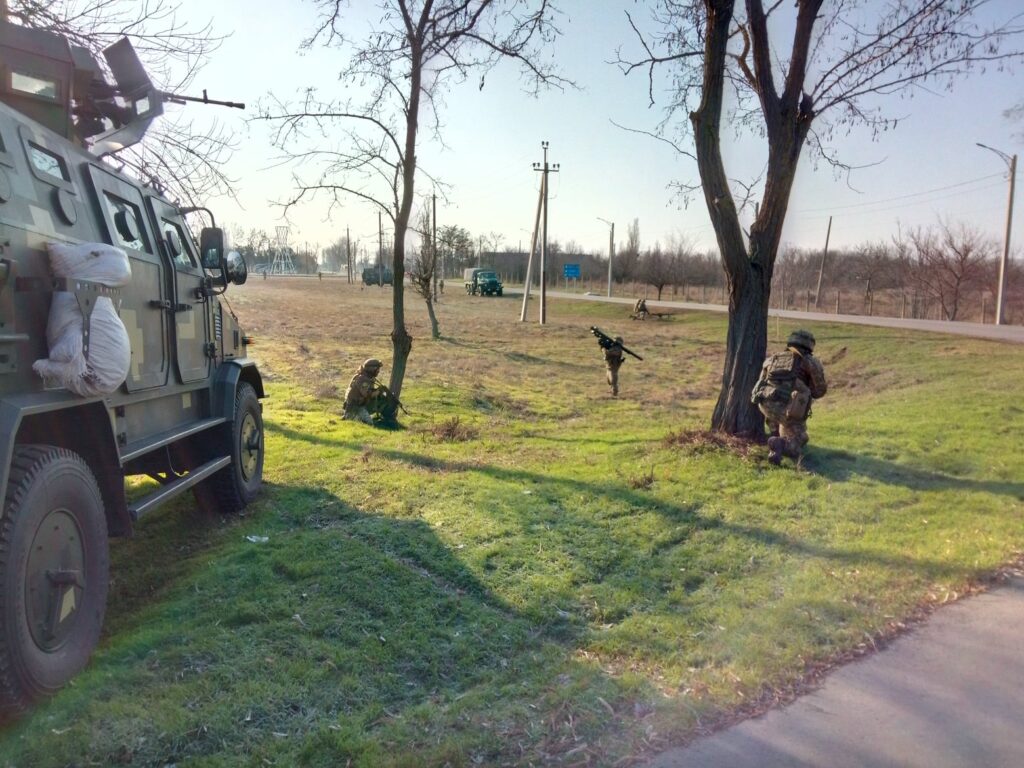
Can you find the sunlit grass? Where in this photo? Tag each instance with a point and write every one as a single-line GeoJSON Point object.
{"type": "Point", "coordinates": [561, 584]}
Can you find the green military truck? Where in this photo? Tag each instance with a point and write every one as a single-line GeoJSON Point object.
{"type": "Point", "coordinates": [482, 280]}
{"type": "Point", "coordinates": [378, 276]}
{"type": "Point", "coordinates": [188, 412]}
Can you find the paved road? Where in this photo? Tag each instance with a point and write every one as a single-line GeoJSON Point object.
{"type": "Point", "coordinates": [1014, 333]}
{"type": "Point", "coordinates": [948, 695]}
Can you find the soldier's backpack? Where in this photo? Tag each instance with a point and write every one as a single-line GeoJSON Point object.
{"type": "Point", "coordinates": [778, 378]}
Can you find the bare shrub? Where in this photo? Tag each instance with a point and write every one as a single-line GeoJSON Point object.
{"type": "Point", "coordinates": [643, 482]}
{"type": "Point", "coordinates": [454, 431]}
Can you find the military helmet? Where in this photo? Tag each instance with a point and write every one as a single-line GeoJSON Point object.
{"type": "Point", "coordinates": [801, 339]}
{"type": "Point", "coordinates": [373, 364]}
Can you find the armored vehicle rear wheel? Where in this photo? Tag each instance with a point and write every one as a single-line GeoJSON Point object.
{"type": "Point", "coordinates": [231, 489]}
{"type": "Point", "coordinates": [54, 563]}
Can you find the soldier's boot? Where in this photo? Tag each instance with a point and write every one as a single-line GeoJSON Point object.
{"type": "Point", "coordinates": [776, 446]}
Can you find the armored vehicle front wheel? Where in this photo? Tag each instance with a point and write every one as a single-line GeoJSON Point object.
{"type": "Point", "coordinates": [231, 489]}
{"type": "Point", "coordinates": [54, 563]}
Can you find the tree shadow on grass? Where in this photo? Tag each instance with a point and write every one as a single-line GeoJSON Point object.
{"type": "Point", "coordinates": [616, 491]}
{"type": "Point", "coordinates": [839, 465]}
{"type": "Point", "coordinates": [345, 634]}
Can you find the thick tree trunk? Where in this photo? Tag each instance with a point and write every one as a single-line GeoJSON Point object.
{"type": "Point", "coordinates": [745, 347]}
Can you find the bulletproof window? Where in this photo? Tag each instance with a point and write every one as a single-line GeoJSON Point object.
{"type": "Point", "coordinates": [127, 223]}
{"type": "Point", "coordinates": [35, 86]}
{"type": "Point", "coordinates": [176, 242]}
{"type": "Point", "coordinates": [48, 162]}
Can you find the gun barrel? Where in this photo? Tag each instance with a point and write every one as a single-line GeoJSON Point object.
{"type": "Point", "coordinates": [177, 98]}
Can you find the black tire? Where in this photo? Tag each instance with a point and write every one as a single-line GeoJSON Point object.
{"type": "Point", "coordinates": [54, 573]}
{"type": "Point", "coordinates": [231, 489]}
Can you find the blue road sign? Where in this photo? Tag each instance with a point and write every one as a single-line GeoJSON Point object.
{"type": "Point", "coordinates": [571, 270]}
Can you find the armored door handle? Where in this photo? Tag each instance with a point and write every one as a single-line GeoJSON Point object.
{"type": "Point", "coordinates": [160, 304]}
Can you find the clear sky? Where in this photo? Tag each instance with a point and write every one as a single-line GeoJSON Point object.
{"type": "Point", "coordinates": [928, 167]}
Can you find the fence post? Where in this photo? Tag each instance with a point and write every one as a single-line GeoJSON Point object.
{"type": "Point", "coordinates": [838, 295]}
{"type": "Point", "coordinates": [903, 306]}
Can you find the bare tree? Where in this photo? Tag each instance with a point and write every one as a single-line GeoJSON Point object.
{"type": "Point", "coordinates": [948, 262]}
{"type": "Point", "coordinates": [423, 269]}
{"type": "Point", "coordinates": [657, 268]}
{"type": "Point", "coordinates": [627, 259]}
{"type": "Point", "coordinates": [843, 61]}
{"type": "Point", "coordinates": [874, 265]}
{"type": "Point", "coordinates": [413, 51]}
{"type": "Point", "coordinates": [188, 162]}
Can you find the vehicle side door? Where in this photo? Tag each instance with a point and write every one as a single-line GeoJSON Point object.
{"type": "Point", "coordinates": [191, 329]}
{"type": "Point", "coordinates": [143, 308]}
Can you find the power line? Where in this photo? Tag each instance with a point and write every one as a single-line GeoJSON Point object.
{"type": "Point", "coordinates": [893, 207]}
{"type": "Point", "coordinates": [903, 197]}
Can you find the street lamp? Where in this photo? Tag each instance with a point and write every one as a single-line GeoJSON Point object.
{"type": "Point", "coordinates": [611, 250]}
{"type": "Point", "coordinates": [1011, 161]}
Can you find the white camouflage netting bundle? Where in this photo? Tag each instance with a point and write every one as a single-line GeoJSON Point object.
{"type": "Point", "coordinates": [109, 349]}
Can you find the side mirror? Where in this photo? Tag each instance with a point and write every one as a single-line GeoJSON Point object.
{"type": "Point", "coordinates": [237, 269]}
{"type": "Point", "coordinates": [211, 243]}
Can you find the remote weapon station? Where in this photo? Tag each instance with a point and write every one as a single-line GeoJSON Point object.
{"type": "Point", "coordinates": [184, 410]}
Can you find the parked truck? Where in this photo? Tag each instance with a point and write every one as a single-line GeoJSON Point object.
{"type": "Point", "coordinates": [482, 280]}
{"type": "Point", "coordinates": [376, 275]}
{"type": "Point", "coordinates": [188, 413]}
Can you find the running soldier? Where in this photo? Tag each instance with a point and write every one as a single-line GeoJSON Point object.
{"type": "Point", "coordinates": [789, 381]}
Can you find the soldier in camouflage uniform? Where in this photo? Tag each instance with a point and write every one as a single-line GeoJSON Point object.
{"type": "Point", "coordinates": [363, 398]}
{"type": "Point", "coordinates": [789, 381]}
{"type": "Point", "coordinates": [613, 357]}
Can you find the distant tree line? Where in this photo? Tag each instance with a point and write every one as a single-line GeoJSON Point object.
{"type": "Point", "coordinates": [947, 271]}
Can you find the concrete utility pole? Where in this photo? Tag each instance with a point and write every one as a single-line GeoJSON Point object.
{"type": "Point", "coordinates": [611, 250]}
{"type": "Point", "coordinates": [1011, 161]}
{"type": "Point", "coordinates": [821, 269]}
{"type": "Point", "coordinates": [533, 248]}
{"type": "Point", "coordinates": [545, 169]}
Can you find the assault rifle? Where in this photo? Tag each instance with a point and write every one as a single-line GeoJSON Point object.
{"type": "Point", "coordinates": [391, 396]}
{"type": "Point", "coordinates": [607, 341]}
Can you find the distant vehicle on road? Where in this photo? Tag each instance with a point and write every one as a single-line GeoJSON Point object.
{"type": "Point", "coordinates": [378, 276]}
{"type": "Point", "coordinates": [482, 280]}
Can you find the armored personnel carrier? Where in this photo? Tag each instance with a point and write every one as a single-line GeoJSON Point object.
{"type": "Point", "coordinates": [188, 413]}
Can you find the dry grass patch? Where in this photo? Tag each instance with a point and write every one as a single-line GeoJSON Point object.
{"type": "Point", "coordinates": [703, 441]}
{"type": "Point", "coordinates": [642, 482]}
{"type": "Point", "coordinates": [454, 431]}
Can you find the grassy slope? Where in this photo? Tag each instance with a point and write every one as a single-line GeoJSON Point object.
{"type": "Point", "coordinates": [529, 595]}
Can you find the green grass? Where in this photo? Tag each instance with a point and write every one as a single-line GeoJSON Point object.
{"type": "Point", "coordinates": [530, 595]}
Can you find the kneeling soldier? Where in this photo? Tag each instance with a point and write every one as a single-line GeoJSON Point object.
{"type": "Point", "coordinates": [789, 381]}
{"type": "Point", "coordinates": [363, 398]}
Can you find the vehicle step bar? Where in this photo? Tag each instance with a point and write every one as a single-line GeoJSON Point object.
{"type": "Point", "coordinates": [165, 492]}
{"type": "Point", "coordinates": [140, 448]}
